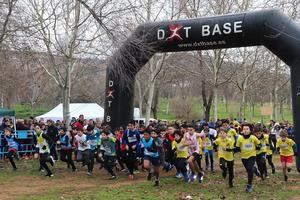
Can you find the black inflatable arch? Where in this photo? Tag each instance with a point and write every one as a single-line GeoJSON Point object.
{"type": "Point", "coordinates": [270, 28]}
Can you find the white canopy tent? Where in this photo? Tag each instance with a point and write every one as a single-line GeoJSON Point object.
{"type": "Point", "coordinates": [89, 110]}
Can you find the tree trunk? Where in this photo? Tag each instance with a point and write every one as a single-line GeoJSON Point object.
{"type": "Point", "coordinates": [275, 104]}
{"type": "Point", "coordinates": [140, 97]}
{"type": "Point", "coordinates": [66, 90]}
{"type": "Point", "coordinates": [215, 90]}
{"type": "Point", "coordinates": [252, 104]}
{"type": "Point", "coordinates": [271, 104]}
{"type": "Point", "coordinates": [208, 107]}
{"type": "Point", "coordinates": [275, 90]}
{"type": "Point", "coordinates": [226, 103]}
{"type": "Point", "coordinates": [281, 110]}
{"type": "Point", "coordinates": [168, 104]}
{"type": "Point", "coordinates": [206, 103]}
{"type": "Point", "coordinates": [32, 108]}
{"type": "Point", "coordinates": [261, 116]}
{"type": "Point", "coordinates": [66, 106]}
{"type": "Point", "coordinates": [155, 104]}
{"type": "Point", "coordinates": [149, 102]}
{"type": "Point", "coordinates": [2, 101]}
{"type": "Point", "coordinates": [242, 106]}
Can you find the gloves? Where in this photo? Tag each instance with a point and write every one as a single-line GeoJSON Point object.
{"type": "Point", "coordinates": [228, 149]}
{"type": "Point", "coordinates": [237, 149]}
{"type": "Point", "coordinates": [44, 147]}
{"type": "Point", "coordinates": [258, 147]}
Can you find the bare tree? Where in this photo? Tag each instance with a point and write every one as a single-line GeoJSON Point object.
{"type": "Point", "coordinates": [246, 61]}
{"type": "Point", "coordinates": [149, 10]}
{"type": "Point", "coordinates": [62, 32]}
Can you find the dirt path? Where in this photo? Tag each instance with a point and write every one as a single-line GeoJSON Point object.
{"type": "Point", "coordinates": [64, 182]}
{"type": "Point", "coordinates": [28, 182]}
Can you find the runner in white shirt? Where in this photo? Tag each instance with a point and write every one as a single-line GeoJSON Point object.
{"type": "Point", "coordinates": [193, 149]}
{"type": "Point", "coordinates": [84, 152]}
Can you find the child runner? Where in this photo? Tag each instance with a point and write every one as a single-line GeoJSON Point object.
{"type": "Point", "coordinates": [93, 137]}
{"type": "Point", "coordinates": [248, 144]}
{"type": "Point", "coordinates": [156, 135]}
{"type": "Point", "coordinates": [131, 139]}
{"type": "Point", "coordinates": [120, 148]}
{"type": "Point", "coordinates": [194, 157]}
{"type": "Point", "coordinates": [84, 152]}
{"type": "Point", "coordinates": [74, 143]}
{"type": "Point", "coordinates": [43, 149]}
{"type": "Point", "coordinates": [167, 142]}
{"type": "Point", "coordinates": [10, 141]}
{"type": "Point", "coordinates": [65, 148]}
{"type": "Point", "coordinates": [151, 156]}
{"type": "Point", "coordinates": [269, 152]}
{"type": "Point", "coordinates": [225, 153]}
{"type": "Point", "coordinates": [209, 149]}
{"type": "Point", "coordinates": [201, 144]}
{"type": "Point", "coordinates": [231, 132]}
{"type": "Point", "coordinates": [287, 149]}
{"type": "Point", "coordinates": [180, 148]}
{"type": "Point", "coordinates": [140, 154]}
{"type": "Point", "coordinates": [108, 144]}
{"type": "Point", "coordinates": [261, 153]}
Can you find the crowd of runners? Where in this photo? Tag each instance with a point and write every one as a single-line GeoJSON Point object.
{"type": "Point", "coordinates": [160, 146]}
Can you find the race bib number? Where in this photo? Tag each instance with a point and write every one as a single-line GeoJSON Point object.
{"type": "Point", "coordinates": [284, 146]}
{"type": "Point", "coordinates": [147, 152]}
{"type": "Point", "coordinates": [248, 146]}
{"type": "Point", "coordinates": [132, 139]}
{"type": "Point", "coordinates": [181, 148]}
{"type": "Point", "coordinates": [208, 144]}
{"type": "Point", "coordinates": [93, 142]}
{"type": "Point", "coordinates": [107, 150]}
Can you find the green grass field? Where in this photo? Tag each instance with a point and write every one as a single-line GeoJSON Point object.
{"type": "Point", "coordinates": [23, 111]}
{"type": "Point", "coordinates": [29, 184]}
{"type": "Point", "coordinates": [233, 109]}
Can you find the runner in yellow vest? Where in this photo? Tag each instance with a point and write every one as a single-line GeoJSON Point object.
{"type": "Point", "coordinates": [44, 150]}
{"type": "Point", "coordinates": [225, 154]}
{"type": "Point", "coordinates": [248, 144]}
{"type": "Point", "coordinates": [261, 153]}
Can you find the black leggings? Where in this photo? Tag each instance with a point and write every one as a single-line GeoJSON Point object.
{"type": "Point", "coordinates": [249, 165]}
{"type": "Point", "coordinates": [130, 161]}
{"type": "Point", "coordinates": [109, 163]}
{"type": "Point", "coordinates": [270, 162]}
{"type": "Point", "coordinates": [180, 164]}
{"type": "Point", "coordinates": [66, 156]}
{"type": "Point", "coordinates": [88, 159]}
{"type": "Point", "coordinates": [53, 150]}
{"type": "Point", "coordinates": [227, 165]}
{"type": "Point", "coordinates": [44, 158]}
{"type": "Point", "coordinates": [121, 158]}
{"type": "Point", "coordinates": [198, 160]}
{"type": "Point", "coordinates": [10, 156]}
{"type": "Point", "coordinates": [261, 163]}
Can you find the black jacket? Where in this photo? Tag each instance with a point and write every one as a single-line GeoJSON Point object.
{"type": "Point", "coordinates": [52, 132]}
